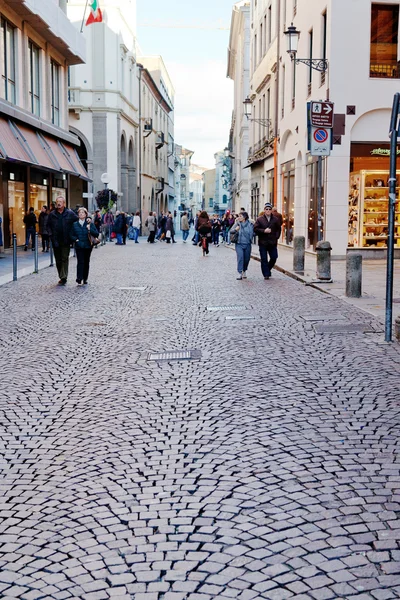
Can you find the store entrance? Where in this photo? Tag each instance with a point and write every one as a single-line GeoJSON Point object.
{"type": "Point", "coordinates": [16, 211]}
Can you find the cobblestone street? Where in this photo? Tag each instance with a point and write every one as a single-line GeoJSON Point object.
{"type": "Point", "coordinates": [268, 468]}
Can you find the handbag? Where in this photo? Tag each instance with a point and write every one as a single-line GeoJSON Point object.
{"type": "Point", "coordinates": [234, 235]}
{"type": "Point", "coordinates": [93, 240]}
{"type": "Point", "coordinates": [168, 235]}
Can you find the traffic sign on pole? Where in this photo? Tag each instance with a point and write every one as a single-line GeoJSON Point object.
{"type": "Point", "coordinates": [321, 141]}
{"type": "Point", "coordinates": [322, 114]}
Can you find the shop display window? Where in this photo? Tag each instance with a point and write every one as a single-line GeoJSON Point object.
{"type": "Point", "coordinates": [16, 210]}
{"type": "Point", "coordinates": [368, 210]}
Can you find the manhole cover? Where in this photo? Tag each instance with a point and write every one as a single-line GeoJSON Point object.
{"type": "Point", "coordinates": [134, 289]}
{"type": "Point", "coordinates": [343, 328]}
{"type": "Point", "coordinates": [215, 308]}
{"type": "Point", "coordinates": [175, 355]}
{"type": "Point", "coordinates": [231, 318]}
{"type": "Point", "coordinates": [326, 317]}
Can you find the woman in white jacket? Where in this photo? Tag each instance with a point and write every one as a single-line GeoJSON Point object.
{"type": "Point", "coordinates": [136, 226]}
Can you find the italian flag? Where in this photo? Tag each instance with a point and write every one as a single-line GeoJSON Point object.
{"type": "Point", "coordinates": [95, 13]}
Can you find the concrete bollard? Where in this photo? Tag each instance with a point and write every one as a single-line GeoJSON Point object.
{"type": "Point", "coordinates": [397, 329]}
{"type": "Point", "coordinates": [299, 252]}
{"type": "Point", "coordinates": [353, 275]}
{"type": "Point", "coordinates": [324, 250]}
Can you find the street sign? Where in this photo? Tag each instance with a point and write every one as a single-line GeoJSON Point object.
{"type": "Point", "coordinates": [321, 141]}
{"type": "Point", "coordinates": [87, 195]}
{"type": "Point", "coordinates": [322, 114]}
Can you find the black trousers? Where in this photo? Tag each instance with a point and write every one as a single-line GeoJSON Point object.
{"type": "Point", "coordinates": [45, 241]}
{"type": "Point", "coordinates": [82, 267]}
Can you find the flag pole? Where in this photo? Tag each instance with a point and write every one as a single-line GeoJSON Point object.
{"type": "Point", "coordinates": [84, 13]}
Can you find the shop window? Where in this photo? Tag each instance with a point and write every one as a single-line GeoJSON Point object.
{"type": "Point", "coordinates": [8, 61]}
{"type": "Point", "coordinates": [16, 210]}
{"type": "Point", "coordinates": [55, 93]}
{"type": "Point", "coordinates": [288, 182]}
{"type": "Point", "coordinates": [34, 78]}
{"type": "Point", "coordinates": [312, 191]}
{"type": "Point", "coordinates": [384, 41]}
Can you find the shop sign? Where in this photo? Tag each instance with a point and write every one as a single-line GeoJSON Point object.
{"type": "Point", "coordinates": [383, 152]}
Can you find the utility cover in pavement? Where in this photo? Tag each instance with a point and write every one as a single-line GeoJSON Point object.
{"type": "Point", "coordinates": [343, 328]}
{"type": "Point", "coordinates": [135, 289]}
{"type": "Point", "coordinates": [326, 317]}
{"type": "Point", "coordinates": [175, 355]}
{"type": "Point", "coordinates": [215, 308]}
{"type": "Point", "coordinates": [230, 318]}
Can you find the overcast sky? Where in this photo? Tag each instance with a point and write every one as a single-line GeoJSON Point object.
{"type": "Point", "coordinates": [194, 50]}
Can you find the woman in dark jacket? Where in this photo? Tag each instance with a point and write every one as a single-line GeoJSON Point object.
{"type": "Point", "coordinates": [44, 230]}
{"type": "Point", "coordinates": [170, 227]}
{"type": "Point", "coordinates": [204, 226]}
{"type": "Point", "coordinates": [80, 236]}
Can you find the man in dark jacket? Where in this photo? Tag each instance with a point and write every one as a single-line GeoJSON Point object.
{"type": "Point", "coordinates": [119, 227]}
{"type": "Point", "coordinates": [30, 221]}
{"type": "Point", "coordinates": [268, 229]}
{"type": "Point", "coordinates": [60, 223]}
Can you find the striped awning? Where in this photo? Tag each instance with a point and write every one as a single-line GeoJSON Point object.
{"type": "Point", "coordinates": [19, 143]}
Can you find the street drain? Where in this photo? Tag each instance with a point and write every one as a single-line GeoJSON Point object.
{"type": "Point", "coordinates": [175, 355]}
{"type": "Point", "coordinates": [133, 289]}
{"type": "Point", "coordinates": [344, 328]}
{"type": "Point", "coordinates": [215, 308]}
{"type": "Point", "coordinates": [231, 318]}
{"type": "Point", "coordinates": [326, 317]}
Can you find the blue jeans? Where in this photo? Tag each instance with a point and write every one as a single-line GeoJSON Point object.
{"type": "Point", "coordinates": [266, 265]}
{"type": "Point", "coordinates": [215, 235]}
{"type": "Point", "coordinates": [119, 239]}
{"type": "Point", "coordinates": [185, 234]}
{"type": "Point", "coordinates": [243, 254]}
{"type": "Point", "coordinates": [196, 237]}
{"type": "Point", "coordinates": [30, 234]}
{"type": "Point", "coordinates": [136, 234]}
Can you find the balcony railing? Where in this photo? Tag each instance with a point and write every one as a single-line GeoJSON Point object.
{"type": "Point", "coordinates": [385, 70]}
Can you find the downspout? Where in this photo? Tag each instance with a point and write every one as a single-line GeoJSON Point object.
{"type": "Point", "coordinates": [277, 91]}
{"type": "Point", "coordinates": [140, 67]}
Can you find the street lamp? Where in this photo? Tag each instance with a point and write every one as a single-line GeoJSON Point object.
{"type": "Point", "coordinates": [248, 109]}
{"type": "Point", "coordinates": [292, 36]}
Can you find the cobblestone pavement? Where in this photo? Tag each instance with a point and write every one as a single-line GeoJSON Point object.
{"type": "Point", "coordinates": [267, 469]}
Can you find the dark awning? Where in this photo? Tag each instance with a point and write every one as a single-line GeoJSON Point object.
{"type": "Point", "coordinates": [22, 144]}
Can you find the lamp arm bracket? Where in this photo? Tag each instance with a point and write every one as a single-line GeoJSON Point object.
{"type": "Point", "coordinates": [318, 64]}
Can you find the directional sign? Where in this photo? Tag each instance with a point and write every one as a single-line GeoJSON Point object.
{"type": "Point", "coordinates": [320, 143]}
{"type": "Point", "coordinates": [322, 114]}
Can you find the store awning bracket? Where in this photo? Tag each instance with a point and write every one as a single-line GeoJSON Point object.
{"type": "Point", "coordinates": [48, 151]}
{"type": "Point", "coordinates": [25, 146]}
{"type": "Point", "coordinates": [2, 150]}
{"type": "Point", "coordinates": [67, 156]}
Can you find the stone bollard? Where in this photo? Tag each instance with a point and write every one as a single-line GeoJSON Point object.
{"type": "Point", "coordinates": [299, 250]}
{"type": "Point", "coordinates": [324, 250]}
{"type": "Point", "coordinates": [353, 275]}
{"type": "Point", "coordinates": [397, 329]}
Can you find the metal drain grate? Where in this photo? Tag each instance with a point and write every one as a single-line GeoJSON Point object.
{"type": "Point", "coordinates": [215, 308]}
{"type": "Point", "coordinates": [175, 355]}
{"type": "Point", "coordinates": [344, 328]}
{"type": "Point", "coordinates": [231, 318]}
{"type": "Point", "coordinates": [326, 317]}
{"type": "Point", "coordinates": [133, 289]}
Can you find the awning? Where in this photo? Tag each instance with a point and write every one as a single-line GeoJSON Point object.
{"type": "Point", "coordinates": [22, 144]}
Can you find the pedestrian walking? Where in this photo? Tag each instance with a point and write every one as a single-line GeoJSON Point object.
{"type": "Point", "coordinates": [242, 236]}
{"type": "Point", "coordinates": [169, 229]}
{"type": "Point", "coordinates": [97, 220]}
{"type": "Point", "coordinates": [151, 224]}
{"type": "Point", "coordinates": [44, 231]}
{"type": "Point", "coordinates": [196, 236]}
{"type": "Point", "coordinates": [108, 222]}
{"type": "Point", "coordinates": [124, 227]}
{"type": "Point", "coordinates": [119, 227]}
{"type": "Point", "coordinates": [278, 215]}
{"type": "Point", "coordinates": [216, 230]}
{"type": "Point", "coordinates": [185, 227]}
{"type": "Point", "coordinates": [204, 227]}
{"type": "Point", "coordinates": [136, 223]}
{"type": "Point", "coordinates": [80, 234]}
{"type": "Point", "coordinates": [60, 223]}
{"type": "Point", "coordinates": [268, 230]}
{"type": "Point", "coordinates": [30, 221]}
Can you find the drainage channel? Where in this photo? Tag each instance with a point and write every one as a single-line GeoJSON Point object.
{"type": "Point", "coordinates": [174, 355]}
{"type": "Point", "coordinates": [220, 308]}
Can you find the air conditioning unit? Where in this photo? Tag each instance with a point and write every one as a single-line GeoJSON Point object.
{"type": "Point", "coordinates": [159, 139]}
{"type": "Point", "coordinates": [148, 125]}
{"type": "Point", "coordinates": [159, 185]}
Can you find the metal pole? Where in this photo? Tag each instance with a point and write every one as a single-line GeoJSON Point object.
{"type": "Point", "coordinates": [140, 144]}
{"type": "Point", "coordinates": [84, 13]}
{"type": "Point", "coordinates": [319, 198]}
{"type": "Point", "coordinates": [36, 254]}
{"type": "Point", "coordinates": [14, 240]}
{"type": "Point", "coordinates": [51, 254]}
{"type": "Point", "coordinates": [391, 217]}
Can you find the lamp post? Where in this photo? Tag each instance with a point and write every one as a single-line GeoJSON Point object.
{"type": "Point", "coordinates": [292, 36]}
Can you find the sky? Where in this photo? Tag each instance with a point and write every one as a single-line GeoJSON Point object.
{"type": "Point", "coordinates": [195, 54]}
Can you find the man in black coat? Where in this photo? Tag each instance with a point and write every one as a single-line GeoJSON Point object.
{"type": "Point", "coordinates": [60, 223]}
{"type": "Point", "coordinates": [268, 229]}
{"type": "Point", "coordinates": [30, 221]}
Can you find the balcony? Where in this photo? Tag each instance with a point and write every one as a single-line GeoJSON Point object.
{"type": "Point", "coordinates": [48, 19]}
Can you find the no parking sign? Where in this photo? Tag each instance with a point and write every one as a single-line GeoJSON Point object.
{"type": "Point", "coordinates": [321, 141]}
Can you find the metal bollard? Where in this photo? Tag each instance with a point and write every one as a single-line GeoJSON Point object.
{"type": "Point", "coordinates": [36, 253]}
{"type": "Point", "coordinates": [353, 275]}
{"type": "Point", "coordinates": [397, 329]}
{"type": "Point", "coordinates": [14, 241]}
{"type": "Point", "coordinates": [299, 252]}
{"type": "Point", "coordinates": [324, 250]}
{"type": "Point", "coordinates": [51, 255]}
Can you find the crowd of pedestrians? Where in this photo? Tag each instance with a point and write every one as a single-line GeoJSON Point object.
{"type": "Point", "coordinates": [63, 227]}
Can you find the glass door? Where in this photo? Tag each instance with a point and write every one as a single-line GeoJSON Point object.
{"type": "Point", "coordinates": [16, 210]}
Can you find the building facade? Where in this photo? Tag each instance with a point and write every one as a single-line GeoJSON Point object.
{"type": "Point", "coordinates": [239, 72]}
{"type": "Point", "coordinates": [209, 178]}
{"type": "Point", "coordinates": [40, 157]}
{"type": "Point", "coordinates": [361, 79]}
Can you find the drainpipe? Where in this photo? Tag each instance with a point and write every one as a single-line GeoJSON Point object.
{"type": "Point", "coordinates": [277, 92]}
{"type": "Point", "coordinates": [140, 67]}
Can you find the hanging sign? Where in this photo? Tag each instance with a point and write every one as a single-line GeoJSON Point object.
{"type": "Point", "coordinates": [320, 141]}
{"type": "Point", "coordinates": [322, 114]}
